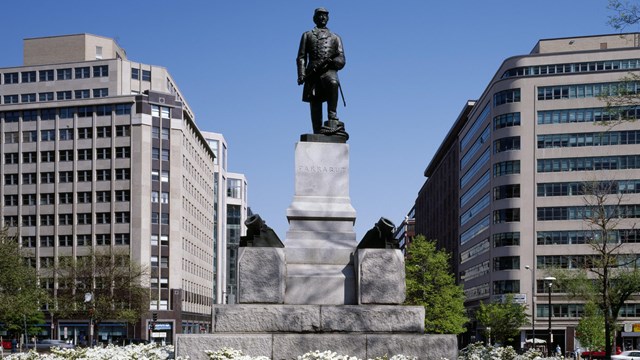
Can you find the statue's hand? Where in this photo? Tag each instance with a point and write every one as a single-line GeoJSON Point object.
{"type": "Point", "coordinates": [300, 80]}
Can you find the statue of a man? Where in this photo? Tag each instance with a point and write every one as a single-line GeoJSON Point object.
{"type": "Point", "coordinates": [320, 56]}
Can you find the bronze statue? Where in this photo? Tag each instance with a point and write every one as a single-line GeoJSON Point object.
{"type": "Point", "coordinates": [320, 56]}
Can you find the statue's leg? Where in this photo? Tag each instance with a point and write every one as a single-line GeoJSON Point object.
{"type": "Point", "coordinates": [332, 88]}
{"type": "Point", "coordinates": [316, 116]}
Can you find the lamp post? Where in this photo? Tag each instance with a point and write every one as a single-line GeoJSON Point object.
{"type": "Point", "coordinates": [533, 304]}
{"type": "Point", "coordinates": [549, 280]}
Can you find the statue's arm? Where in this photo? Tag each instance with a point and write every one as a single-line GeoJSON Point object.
{"type": "Point", "coordinates": [301, 59]}
{"type": "Point", "coordinates": [339, 60]}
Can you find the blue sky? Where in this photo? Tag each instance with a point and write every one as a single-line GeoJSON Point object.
{"type": "Point", "coordinates": [411, 66]}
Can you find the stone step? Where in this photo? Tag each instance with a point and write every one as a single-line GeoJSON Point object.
{"type": "Point", "coordinates": [320, 284]}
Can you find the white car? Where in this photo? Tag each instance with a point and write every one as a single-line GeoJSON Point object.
{"type": "Point", "coordinates": [627, 355]}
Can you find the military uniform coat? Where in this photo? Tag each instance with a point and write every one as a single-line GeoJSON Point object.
{"type": "Point", "coordinates": [316, 46]}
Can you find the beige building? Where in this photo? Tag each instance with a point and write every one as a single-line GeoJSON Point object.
{"type": "Point", "coordinates": [102, 152]}
{"type": "Point", "coordinates": [525, 149]}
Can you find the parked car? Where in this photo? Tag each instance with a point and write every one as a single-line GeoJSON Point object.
{"type": "Point", "coordinates": [598, 354]}
{"type": "Point", "coordinates": [6, 344]}
{"type": "Point", "coordinates": [627, 355]}
{"type": "Point", "coordinates": [47, 344]}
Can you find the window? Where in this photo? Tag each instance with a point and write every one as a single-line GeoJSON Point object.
{"type": "Point", "coordinates": [85, 111]}
{"type": "Point", "coordinates": [65, 134]}
{"type": "Point", "coordinates": [164, 197]}
{"type": "Point", "coordinates": [155, 153]}
{"type": "Point", "coordinates": [103, 174]}
{"type": "Point", "coordinates": [65, 219]}
{"type": "Point", "coordinates": [234, 188]}
{"type": "Point", "coordinates": [123, 152]}
{"type": "Point", "coordinates": [123, 174]}
{"type": "Point", "coordinates": [122, 217]}
{"type": "Point", "coordinates": [103, 218]}
{"type": "Point", "coordinates": [11, 200]}
{"type": "Point", "coordinates": [146, 75]}
{"type": "Point", "coordinates": [46, 75]}
{"type": "Point", "coordinates": [164, 112]}
{"type": "Point", "coordinates": [28, 220]}
{"type": "Point", "coordinates": [48, 114]}
{"type": "Point", "coordinates": [83, 72]}
{"type": "Point", "coordinates": [84, 175]}
{"type": "Point", "coordinates": [64, 95]}
{"type": "Point", "coordinates": [67, 112]}
{"type": "Point", "coordinates": [64, 74]}
{"type": "Point", "coordinates": [101, 70]}
{"type": "Point", "coordinates": [122, 195]}
{"type": "Point", "coordinates": [29, 178]}
{"type": "Point", "coordinates": [48, 135]}
{"type": "Point", "coordinates": [98, 53]}
{"type": "Point", "coordinates": [506, 215]}
{"type": "Point", "coordinates": [65, 198]}
{"type": "Point", "coordinates": [82, 94]}
{"type": "Point", "coordinates": [84, 219]}
{"type": "Point", "coordinates": [29, 241]}
{"type": "Point", "coordinates": [103, 196]}
{"type": "Point", "coordinates": [102, 92]}
{"type": "Point", "coordinates": [84, 154]}
{"type": "Point", "coordinates": [83, 240]}
{"type": "Point", "coordinates": [11, 99]}
{"type": "Point", "coordinates": [47, 177]}
{"type": "Point", "coordinates": [506, 263]}
{"type": "Point", "coordinates": [10, 158]}
{"type": "Point", "coordinates": [155, 197]}
{"type": "Point", "coordinates": [28, 199]}
{"type": "Point", "coordinates": [46, 241]}
{"type": "Point", "coordinates": [506, 239]}
{"type": "Point", "coordinates": [103, 239]}
{"type": "Point", "coordinates": [28, 98]}
{"type": "Point", "coordinates": [506, 287]}
{"type": "Point", "coordinates": [11, 78]}
{"type": "Point", "coordinates": [103, 131]}
{"type": "Point", "coordinates": [65, 176]}
{"type": "Point", "coordinates": [506, 168]}
{"type": "Point", "coordinates": [65, 155]}
{"type": "Point", "coordinates": [122, 239]}
{"type": "Point", "coordinates": [65, 240]}
{"type": "Point", "coordinates": [103, 110]}
{"type": "Point", "coordinates": [123, 130]}
{"type": "Point", "coordinates": [47, 156]}
{"type": "Point", "coordinates": [29, 157]}
{"type": "Point", "coordinates": [506, 191]}
{"type": "Point", "coordinates": [45, 96]}
{"type": "Point", "coordinates": [46, 220]}
{"type": "Point", "coordinates": [135, 74]}
{"type": "Point", "coordinates": [29, 136]}
{"type": "Point", "coordinates": [123, 109]}
{"type": "Point", "coordinates": [28, 76]}
{"type": "Point", "coordinates": [84, 197]}
{"type": "Point", "coordinates": [11, 137]}
{"type": "Point", "coordinates": [11, 220]}
{"type": "Point", "coordinates": [47, 199]}
{"type": "Point", "coordinates": [85, 133]}
{"type": "Point", "coordinates": [103, 153]}
{"type": "Point", "coordinates": [30, 115]}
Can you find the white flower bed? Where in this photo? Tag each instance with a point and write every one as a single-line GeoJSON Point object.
{"type": "Point", "coordinates": [478, 351]}
{"type": "Point", "coordinates": [111, 352]}
{"type": "Point", "coordinates": [232, 354]}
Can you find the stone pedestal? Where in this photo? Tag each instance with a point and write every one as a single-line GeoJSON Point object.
{"type": "Point", "coordinates": [320, 242]}
{"type": "Point", "coordinates": [380, 276]}
{"type": "Point", "coordinates": [261, 274]}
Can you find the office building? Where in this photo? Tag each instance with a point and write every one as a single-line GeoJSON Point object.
{"type": "Point", "coordinates": [522, 153]}
{"type": "Point", "coordinates": [230, 212]}
{"type": "Point", "coordinates": [102, 152]}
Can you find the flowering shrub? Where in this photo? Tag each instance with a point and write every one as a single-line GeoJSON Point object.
{"type": "Point", "coordinates": [478, 351]}
{"type": "Point", "coordinates": [129, 352]}
{"type": "Point", "coordinates": [232, 354]}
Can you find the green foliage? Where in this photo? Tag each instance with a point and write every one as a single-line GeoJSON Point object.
{"type": "Point", "coordinates": [626, 14]}
{"type": "Point", "coordinates": [590, 329]}
{"type": "Point", "coordinates": [431, 284]}
{"type": "Point", "coordinates": [20, 295]}
{"type": "Point", "coordinates": [478, 351]}
{"type": "Point", "coordinates": [503, 318]}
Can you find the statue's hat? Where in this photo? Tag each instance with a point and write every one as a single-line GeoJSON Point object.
{"type": "Point", "coordinates": [320, 10]}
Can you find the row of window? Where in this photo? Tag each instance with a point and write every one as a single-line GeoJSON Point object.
{"type": "Point", "coordinates": [572, 68]}
{"type": "Point", "coordinates": [119, 217]}
{"type": "Point", "coordinates": [475, 230]}
{"type": "Point", "coordinates": [475, 188]}
{"type": "Point", "coordinates": [587, 115]}
{"type": "Point", "coordinates": [31, 157]}
{"type": "Point", "coordinates": [476, 271]}
{"type": "Point", "coordinates": [477, 145]}
{"type": "Point", "coordinates": [506, 215]}
{"type": "Point", "coordinates": [480, 205]}
{"type": "Point", "coordinates": [586, 90]}
{"type": "Point", "coordinates": [506, 239]}
{"type": "Point", "coordinates": [578, 188]}
{"type": "Point", "coordinates": [506, 144]}
{"type": "Point", "coordinates": [589, 139]}
{"type": "Point", "coordinates": [65, 113]}
{"type": "Point", "coordinates": [476, 250]}
{"type": "Point", "coordinates": [67, 176]}
{"type": "Point", "coordinates": [587, 212]}
{"type": "Point", "coordinates": [506, 97]}
{"type": "Point", "coordinates": [477, 166]}
{"type": "Point", "coordinates": [77, 240]}
{"type": "Point", "coordinates": [506, 263]}
{"type": "Point", "coordinates": [28, 136]}
{"type": "Point", "coordinates": [577, 237]}
{"type": "Point", "coordinates": [31, 76]}
{"type": "Point", "coordinates": [506, 120]}
{"type": "Point", "coordinates": [509, 167]}
{"type": "Point", "coordinates": [477, 124]}
{"type": "Point", "coordinates": [82, 197]}
{"type": "Point", "coordinates": [508, 191]}
{"type": "Point", "coordinates": [60, 95]}
{"type": "Point", "coordinates": [589, 163]}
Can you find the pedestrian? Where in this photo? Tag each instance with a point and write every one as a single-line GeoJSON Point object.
{"type": "Point", "coordinates": [14, 345]}
{"type": "Point", "coordinates": [558, 350]}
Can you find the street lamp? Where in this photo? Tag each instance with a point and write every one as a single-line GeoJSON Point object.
{"type": "Point", "coordinates": [549, 280]}
{"type": "Point", "coordinates": [533, 304]}
{"type": "Point", "coordinates": [88, 298]}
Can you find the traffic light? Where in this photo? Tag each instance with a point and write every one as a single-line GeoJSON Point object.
{"type": "Point", "coordinates": [155, 317]}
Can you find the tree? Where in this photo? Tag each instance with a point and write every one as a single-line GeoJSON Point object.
{"type": "Point", "coordinates": [590, 329]}
{"type": "Point", "coordinates": [20, 294]}
{"type": "Point", "coordinates": [609, 276]}
{"type": "Point", "coordinates": [626, 14]}
{"type": "Point", "coordinates": [431, 284]}
{"type": "Point", "coordinates": [502, 319]}
{"type": "Point", "coordinates": [116, 284]}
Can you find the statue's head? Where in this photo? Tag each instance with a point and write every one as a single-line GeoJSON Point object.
{"type": "Point", "coordinates": [321, 17]}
